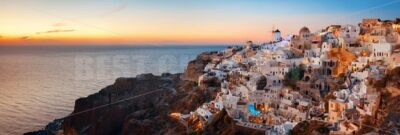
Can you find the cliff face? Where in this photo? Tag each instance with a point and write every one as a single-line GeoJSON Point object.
{"type": "Point", "coordinates": [113, 116]}
{"type": "Point", "coordinates": [195, 67]}
{"type": "Point", "coordinates": [223, 124]}
{"type": "Point", "coordinates": [311, 128]}
{"type": "Point", "coordinates": [141, 105]}
{"type": "Point", "coordinates": [387, 116]}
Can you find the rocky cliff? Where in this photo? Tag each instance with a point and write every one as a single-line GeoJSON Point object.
{"type": "Point", "coordinates": [386, 116]}
{"type": "Point", "coordinates": [141, 105]}
{"type": "Point", "coordinates": [195, 67]}
{"type": "Point", "coordinates": [223, 124]}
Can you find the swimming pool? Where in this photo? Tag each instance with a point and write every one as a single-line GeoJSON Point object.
{"type": "Point", "coordinates": [253, 110]}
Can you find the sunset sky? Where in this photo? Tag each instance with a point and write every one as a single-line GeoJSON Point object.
{"type": "Point", "coordinates": [77, 22]}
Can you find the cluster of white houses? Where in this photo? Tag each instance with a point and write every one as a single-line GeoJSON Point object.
{"type": "Point", "coordinates": [336, 62]}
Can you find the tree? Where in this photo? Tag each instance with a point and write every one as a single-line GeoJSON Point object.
{"type": "Point", "coordinates": [294, 74]}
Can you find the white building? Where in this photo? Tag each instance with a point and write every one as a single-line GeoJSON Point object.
{"type": "Point", "coordinates": [360, 89]}
{"type": "Point", "coordinates": [305, 36]}
{"type": "Point", "coordinates": [209, 67]}
{"type": "Point", "coordinates": [314, 62]}
{"type": "Point", "coordinates": [372, 103]}
{"type": "Point", "coordinates": [314, 52]}
{"type": "Point", "coordinates": [230, 101]}
{"type": "Point", "coordinates": [257, 97]}
{"type": "Point", "coordinates": [277, 35]}
{"type": "Point", "coordinates": [283, 129]}
{"type": "Point", "coordinates": [294, 62]}
{"type": "Point", "coordinates": [360, 75]}
{"type": "Point", "coordinates": [218, 103]}
{"type": "Point", "coordinates": [380, 51]}
{"type": "Point", "coordinates": [326, 47]}
{"type": "Point", "coordinates": [280, 54]}
{"type": "Point", "coordinates": [249, 45]}
{"type": "Point", "coordinates": [349, 33]}
{"type": "Point", "coordinates": [275, 69]}
{"type": "Point", "coordinates": [204, 112]}
{"type": "Point", "coordinates": [341, 94]}
{"type": "Point", "coordinates": [359, 63]}
{"type": "Point", "coordinates": [241, 91]}
{"type": "Point", "coordinates": [330, 38]}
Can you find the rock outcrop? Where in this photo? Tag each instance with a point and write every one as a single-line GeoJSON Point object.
{"type": "Point", "coordinates": [223, 124]}
{"type": "Point", "coordinates": [142, 105]}
{"type": "Point", "coordinates": [387, 116]}
{"type": "Point", "coordinates": [195, 67]}
{"type": "Point", "coordinates": [113, 108]}
{"type": "Point", "coordinates": [311, 128]}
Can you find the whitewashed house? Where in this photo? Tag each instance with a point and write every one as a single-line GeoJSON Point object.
{"type": "Point", "coordinates": [330, 38]}
{"type": "Point", "coordinates": [204, 112]}
{"type": "Point", "coordinates": [230, 101]}
{"type": "Point", "coordinates": [257, 97]}
{"type": "Point", "coordinates": [326, 47]}
{"type": "Point", "coordinates": [314, 62]}
{"type": "Point", "coordinates": [305, 36]}
{"type": "Point", "coordinates": [219, 104]}
{"type": "Point", "coordinates": [275, 69]}
{"type": "Point", "coordinates": [241, 91]}
{"type": "Point", "coordinates": [295, 62]}
{"type": "Point", "coordinates": [360, 75]}
{"type": "Point", "coordinates": [380, 51]}
{"type": "Point", "coordinates": [314, 52]}
{"type": "Point", "coordinates": [359, 63]}
{"type": "Point", "coordinates": [349, 33]}
{"type": "Point", "coordinates": [341, 94]}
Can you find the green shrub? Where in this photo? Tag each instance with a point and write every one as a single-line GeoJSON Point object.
{"type": "Point", "coordinates": [294, 74]}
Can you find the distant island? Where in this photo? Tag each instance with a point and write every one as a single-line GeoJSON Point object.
{"type": "Point", "coordinates": [344, 79]}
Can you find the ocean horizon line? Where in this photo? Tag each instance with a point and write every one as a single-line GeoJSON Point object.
{"type": "Point", "coordinates": [118, 45]}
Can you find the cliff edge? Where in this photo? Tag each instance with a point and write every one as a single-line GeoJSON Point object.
{"type": "Point", "coordinates": [142, 105]}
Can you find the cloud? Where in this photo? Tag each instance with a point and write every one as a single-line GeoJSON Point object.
{"type": "Point", "coordinates": [24, 38]}
{"type": "Point", "coordinates": [58, 28]}
{"type": "Point", "coordinates": [59, 24]}
{"type": "Point", "coordinates": [55, 31]}
{"type": "Point", "coordinates": [1, 36]}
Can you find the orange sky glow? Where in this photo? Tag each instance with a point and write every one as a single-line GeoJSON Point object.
{"type": "Point", "coordinates": [75, 22]}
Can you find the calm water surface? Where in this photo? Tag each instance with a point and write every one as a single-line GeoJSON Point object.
{"type": "Point", "coordinates": [39, 84]}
